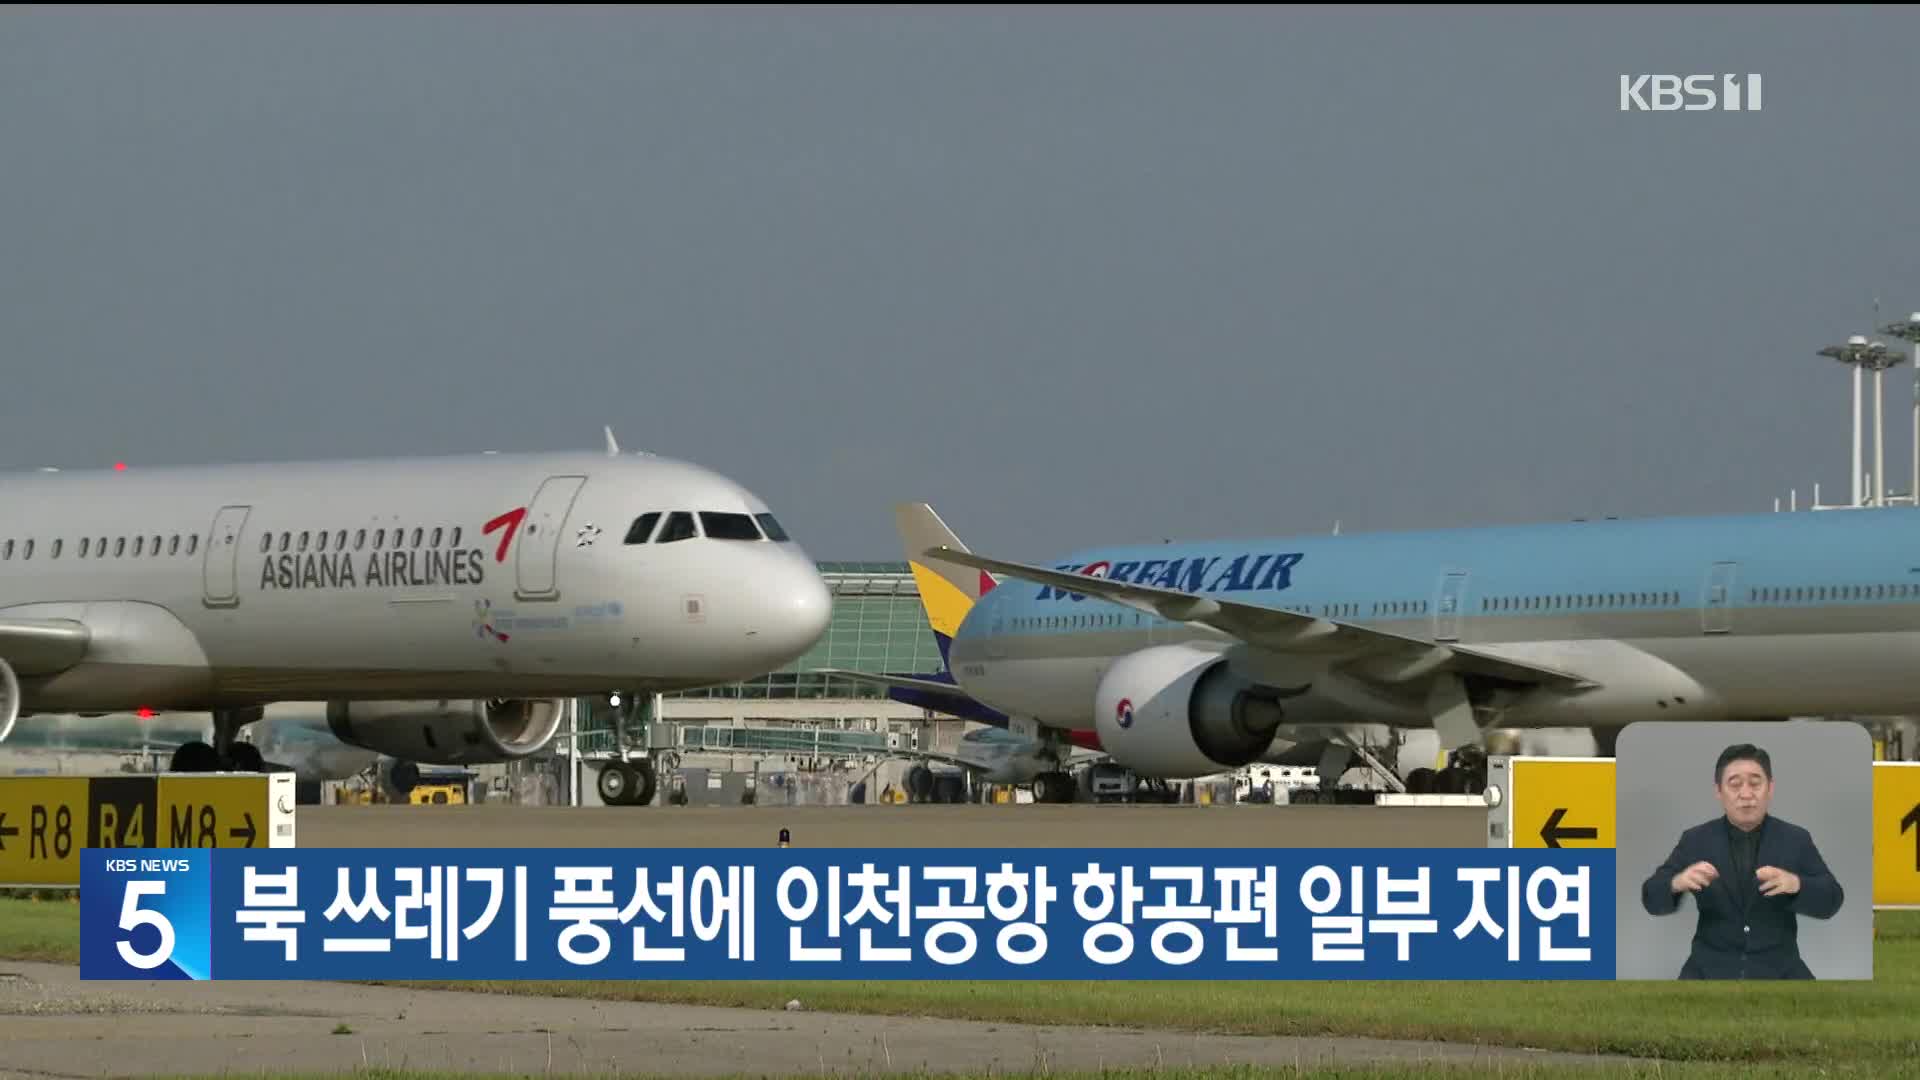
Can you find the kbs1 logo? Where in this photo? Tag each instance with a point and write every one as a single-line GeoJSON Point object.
{"type": "Point", "coordinates": [1689, 93]}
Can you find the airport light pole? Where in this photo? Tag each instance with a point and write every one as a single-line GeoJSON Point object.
{"type": "Point", "coordinates": [1878, 363]}
{"type": "Point", "coordinates": [1909, 332]}
{"type": "Point", "coordinates": [1861, 354]}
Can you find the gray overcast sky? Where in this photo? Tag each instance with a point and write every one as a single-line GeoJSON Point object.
{"type": "Point", "coordinates": [1073, 276]}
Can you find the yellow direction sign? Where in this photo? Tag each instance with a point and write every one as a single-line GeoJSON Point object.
{"type": "Point", "coordinates": [1550, 802]}
{"type": "Point", "coordinates": [1896, 832]}
{"type": "Point", "coordinates": [120, 812]}
{"type": "Point", "coordinates": [1569, 802]}
{"type": "Point", "coordinates": [199, 810]}
{"type": "Point", "coordinates": [43, 826]}
{"type": "Point", "coordinates": [45, 822]}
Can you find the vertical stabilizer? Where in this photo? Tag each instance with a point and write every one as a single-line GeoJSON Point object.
{"type": "Point", "coordinates": [948, 591]}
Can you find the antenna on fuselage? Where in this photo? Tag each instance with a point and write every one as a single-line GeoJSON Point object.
{"type": "Point", "coordinates": [613, 447]}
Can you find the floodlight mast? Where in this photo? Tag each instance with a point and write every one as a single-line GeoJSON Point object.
{"type": "Point", "coordinates": [1909, 332]}
{"type": "Point", "coordinates": [1861, 355]}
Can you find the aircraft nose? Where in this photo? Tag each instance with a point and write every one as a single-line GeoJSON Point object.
{"type": "Point", "coordinates": [795, 612]}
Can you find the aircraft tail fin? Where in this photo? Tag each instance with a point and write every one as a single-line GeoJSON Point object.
{"type": "Point", "coordinates": [947, 590]}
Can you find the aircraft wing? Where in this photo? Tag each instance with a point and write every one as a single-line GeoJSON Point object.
{"type": "Point", "coordinates": [1274, 628]}
{"type": "Point", "coordinates": [42, 646]}
{"type": "Point", "coordinates": [900, 682]}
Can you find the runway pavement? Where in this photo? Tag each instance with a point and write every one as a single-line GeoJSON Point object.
{"type": "Point", "coordinates": [991, 826]}
{"type": "Point", "coordinates": [53, 1025]}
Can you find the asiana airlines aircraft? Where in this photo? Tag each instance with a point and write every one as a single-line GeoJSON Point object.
{"type": "Point", "coordinates": [444, 608]}
{"type": "Point", "coordinates": [1185, 660]}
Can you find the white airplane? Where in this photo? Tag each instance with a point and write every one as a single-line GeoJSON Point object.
{"type": "Point", "coordinates": [443, 607]}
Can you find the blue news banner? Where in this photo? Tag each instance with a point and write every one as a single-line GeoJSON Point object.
{"type": "Point", "coordinates": [881, 913]}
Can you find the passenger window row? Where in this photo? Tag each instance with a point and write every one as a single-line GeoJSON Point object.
{"type": "Point", "coordinates": [714, 525]}
{"type": "Point", "coordinates": [1817, 594]}
{"type": "Point", "coordinates": [1400, 607]}
{"type": "Point", "coordinates": [118, 547]}
{"type": "Point", "coordinates": [322, 540]}
{"type": "Point", "coordinates": [1073, 622]}
{"type": "Point", "coordinates": [1582, 601]}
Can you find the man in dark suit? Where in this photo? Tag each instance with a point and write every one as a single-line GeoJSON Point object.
{"type": "Point", "coordinates": [1751, 875]}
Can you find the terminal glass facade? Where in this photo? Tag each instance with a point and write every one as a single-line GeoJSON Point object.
{"type": "Point", "coordinates": [877, 626]}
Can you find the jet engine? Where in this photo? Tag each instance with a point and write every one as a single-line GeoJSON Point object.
{"type": "Point", "coordinates": [1177, 712]}
{"type": "Point", "coordinates": [9, 700]}
{"type": "Point", "coordinates": [448, 732]}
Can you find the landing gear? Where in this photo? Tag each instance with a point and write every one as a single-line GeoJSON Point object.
{"type": "Point", "coordinates": [623, 782]}
{"type": "Point", "coordinates": [402, 778]}
{"type": "Point", "coordinates": [1053, 787]}
{"type": "Point", "coordinates": [227, 754]}
{"type": "Point", "coordinates": [919, 784]}
{"type": "Point", "coordinates": [245, 757]}
{"type": "Point", "coordinates": [627, 783]}
{"type": "Point", "coordinates": [1606, 741]}
{"type": "Point", "coordinates": [194, 757]}
{"type": "Point", "coordinates": [950, 789]}
{"type": "Point", "coordinates": [1465, 774]}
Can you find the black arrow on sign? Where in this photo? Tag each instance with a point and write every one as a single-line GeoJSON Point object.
{"type": "Point", "coordinates": [1552, 833]}
{"type": "Point", "coordinates": [247, 832]}
{"type": "Point", "coordinates": [1911, 821]}
{"type": "Point", "coordinates": [5, 831]}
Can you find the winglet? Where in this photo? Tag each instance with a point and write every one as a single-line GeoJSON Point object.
{"type": "Point", "coordinates": [613, 448]}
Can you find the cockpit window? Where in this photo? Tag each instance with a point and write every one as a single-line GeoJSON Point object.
{"type": "Point", "coordinates": [642, 527]}
{"type": "Point", "coordinates": [728, 526]}
{"type": "Point", "coordinates": [679, 526]}
{"type": "Point", "coordinates": [772, 528]}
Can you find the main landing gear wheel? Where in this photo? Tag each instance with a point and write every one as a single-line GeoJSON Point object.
{"type": "Point", "coordinates": [1053, 787]}
{"type": "Point", "coordinates": [624, 783]}
{"type": "Point", "coordinates": [227, 753]}
{"type": "Point", "coordinates": [403, 778]}
{"type": "Point", "coordinates": [245, 757]}
{"type": "Point", "coordinates": [919, 784]}
{"type": "Point", "coordinates": [194, 757]}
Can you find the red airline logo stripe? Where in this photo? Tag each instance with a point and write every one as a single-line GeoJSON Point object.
{"type": "Point", "coordinates": [511, 520]}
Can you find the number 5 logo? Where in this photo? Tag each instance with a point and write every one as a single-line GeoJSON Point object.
{"type": "Point", "coordinates": [132, 918]}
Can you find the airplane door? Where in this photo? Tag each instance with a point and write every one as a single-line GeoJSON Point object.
{"type": "Point", "coordinates": [536, 564]}
{"type": "Point", "coordinates": [1716, 604]}
{"type": "Point", "coordinates": [1446, 611]}
{"type": "Point", "coordinates": [219, 573]}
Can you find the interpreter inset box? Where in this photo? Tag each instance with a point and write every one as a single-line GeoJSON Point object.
{"type": "Point", "coordinates": [1745, 851]}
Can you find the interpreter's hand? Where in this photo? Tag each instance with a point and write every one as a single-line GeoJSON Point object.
{"type": "Point", "coordinates": [1777, 882]}
{"type": "Point", "coordinates": [1695, 877]}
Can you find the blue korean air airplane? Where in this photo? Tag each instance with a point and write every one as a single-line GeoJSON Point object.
{"type": "Point", "coordinates": [1191, 659]}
